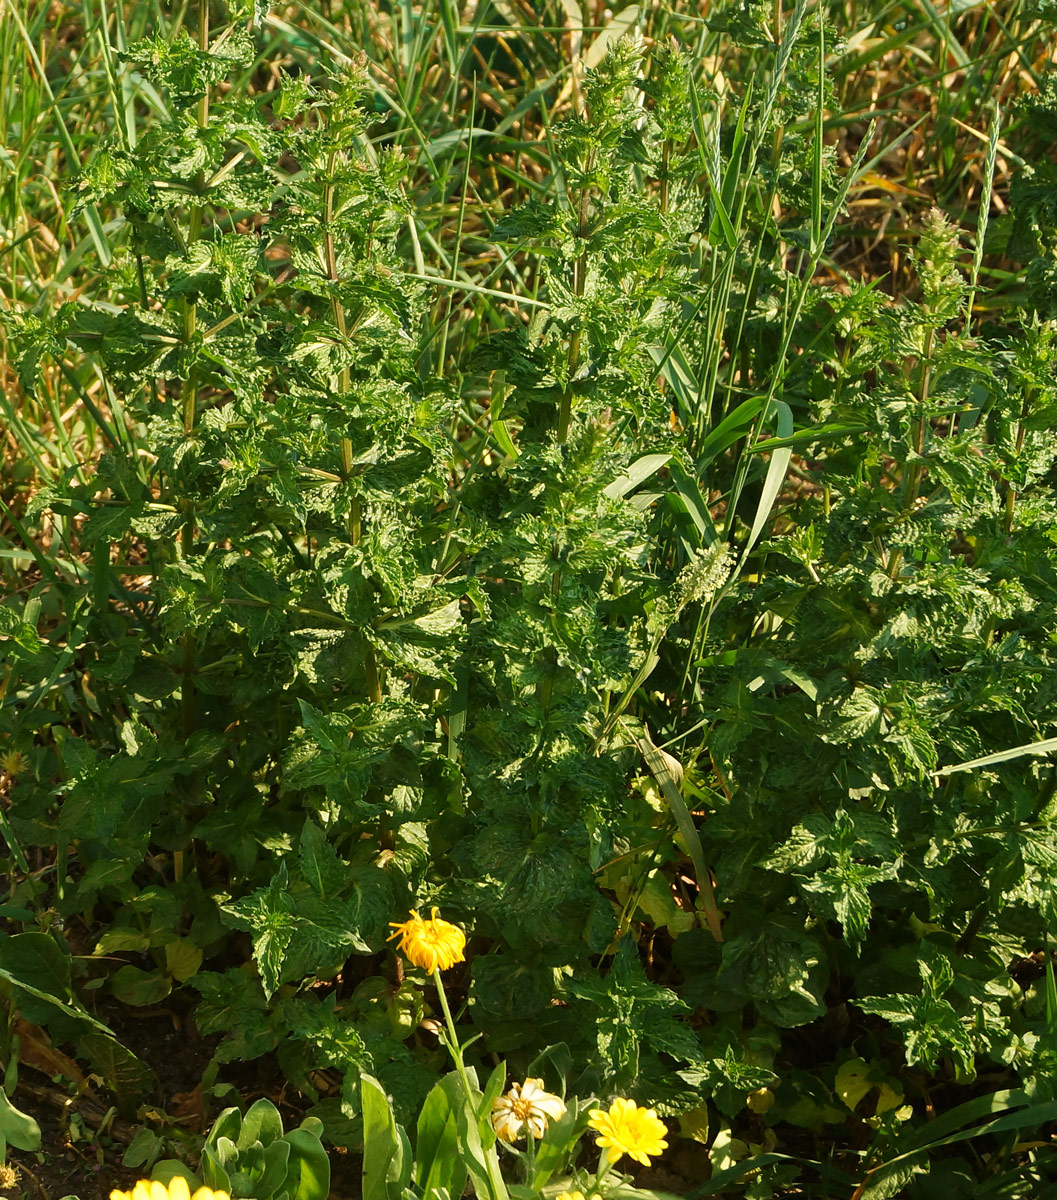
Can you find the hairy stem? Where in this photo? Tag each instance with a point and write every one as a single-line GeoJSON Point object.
{"type": "Point", "coordinates": [915, 472]}
{"type": "Point", "coordinates": [190, 406]}
{"type": "Point", "coordinates": [370, 663]}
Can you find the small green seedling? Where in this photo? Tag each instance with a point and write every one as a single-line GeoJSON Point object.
{"type": "Point", "coordinates": [251, 1156]}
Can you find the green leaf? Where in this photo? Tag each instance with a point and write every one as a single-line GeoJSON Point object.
{"type": "Point", "coordinates": [721, 1180]}
{"type": "Point", "coordinates": [39, 970]}
{"type": "Point", "coordinates": [261, 1123]}
{"type": "Point", "coordinates": [270, 915]}
{"type": "Point", "coordinates": [780, 969]}
{"type": "Point", "coordinates": [558, 1141]}
{"type": "Point", "coordinates": [775, 475]}
{"type": "Point", "coordinates": [18, 1129]}
{"type": "Point", "coordinates": [320, 864]}
{"type": "Point", "coordinates": [181, 67]}
{"type": "Point", "coordinates": [479, 1157]}
{"type": "Point", "coordinates": [118, 937]}
{"type": "Point", "coordinates": [167, 1169]}
{"type": "Point", "coordinates": [627, 1012]}
{"type": "Point", "coordinates": [227, 998]}
{"type": "Point", "coordinates": [1046, 746]}
{"type": "Point", "coordinates": [128, 1076]}
{"type": "Point", "coordinates": [437, 1160]}
{"type": "Point", "coordinates": [387, 1161]}
{"type": "Point", "coordinates": [639, 471]}
{"type": "Point", "coordinates": [228, 1125]}
{"type": "Point", "coordinates": [182, 959]}
{"type": "Point", "coordinates": [930, 1027]}
{"type": "Point", "coordinates": [131, 985]}
{"type": "Point", "coordinates": [213, 1173]}
{"type": "Point", "coordinates": [271, 1170]}
{"type": "Point", "coordinates": [853, 1082]}
{"type": "Point", "coordinates": [730, 430]}
{"type": "Point", "coordinates": [309, 1163]}
{"type": "Point", "coordinates": [143, 1150]}
{"type": "Point", "coordinates": [660, 765]}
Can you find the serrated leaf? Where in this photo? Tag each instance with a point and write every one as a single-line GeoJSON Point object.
{"type": "Point", "coordinates": [126, 1075]}
{"type": "Point", "coordinates": [269, 915]}
{"type": "Point", "coordinates": [322, 868]}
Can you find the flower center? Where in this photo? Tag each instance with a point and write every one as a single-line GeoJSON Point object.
{"type": "Point", "coordinates": [522, 1109]}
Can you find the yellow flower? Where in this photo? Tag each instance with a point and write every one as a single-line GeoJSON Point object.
{"type": "Point", "coordinates": [433, 944]}
{"type": "Point", "coordinates": [525, 1104]}
{"type": "Point", "coordinates": [628, 1129]}
{"type": "Point", "coordinates": [178, 1189]}
{"type": "Point", "coordinates": [576, 1196]}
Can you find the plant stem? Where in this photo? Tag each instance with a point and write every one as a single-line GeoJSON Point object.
{"type": "Point", "coordinates": [203, 45]}
{"type": "Point", "coordinates": [530, 1157]}
{"type": "Point", "coordinates": [545, 688]}
{"type": "Point", "coordinates": [473, 1096]}
{"type": "Point", "coordinates": [604, 1167]}
{"type": "Point", "coordinates": [337, 309]}
{"type": "Point", "coordinates": [1011, 491]}
{"type": "Point", "coordinates": [915, 472]}
{"type": "Point", "coordinates": [565, 411]}
{"type": "Point", "coordinates": [453, 1039]}
{"type": "Point", "coordinates": [187, 687]}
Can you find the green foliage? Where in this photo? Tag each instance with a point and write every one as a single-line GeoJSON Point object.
{"type": "Point", "coordinates": [455, 1143]}
{"type": "Point", "coordinates": [250, 1155]}
{"type": "Point", "coordinates": [638, 598]}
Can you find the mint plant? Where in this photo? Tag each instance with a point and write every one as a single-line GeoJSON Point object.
{"type": "Point", "coordinates": [683, 625]}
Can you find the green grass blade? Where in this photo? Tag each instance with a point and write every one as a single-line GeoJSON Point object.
{"type": "Point", "coordinates": [1047, 746]}
{"type": "Point", "coordinates": [659, 764]}
{"type": "Point", "coordinates": [775, 477]}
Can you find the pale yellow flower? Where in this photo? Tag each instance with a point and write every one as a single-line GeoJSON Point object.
{"type": "Point", "coordinates": [526, 1104]}
{"type": "Point", "coordinates": [178, 1189]}
{"type": "Point", "coordinates": [577, 1196]}
{"type": "Point", "coordinates": [628, 1129]}
{"type": "Point", "coordinates": [431, 944]}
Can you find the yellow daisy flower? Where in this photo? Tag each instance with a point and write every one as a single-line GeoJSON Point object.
{"type": "Point", "coordinates": [525, 1104]}
{"type": "Point", "coordinates": [628, 1129]}
{"type": "Point", "coordinates": [178, 1189]}
{"type": "Point", "coordinates": [431, 944]}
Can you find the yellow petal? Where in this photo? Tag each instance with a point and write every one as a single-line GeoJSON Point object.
{"type": "Point", "coordinates": [158, 1191]}
{"type": "Point", "coordinates": [178, 1188]}
{"type": "Point", "coordinates": [142, 1190]}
